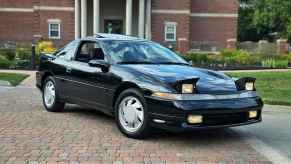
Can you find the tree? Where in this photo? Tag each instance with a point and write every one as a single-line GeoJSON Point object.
{"type": "Point", "coordinates": [264, 19]}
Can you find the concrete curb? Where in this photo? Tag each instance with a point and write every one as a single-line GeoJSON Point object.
{"type": "Point", "coordinates": [5, 83]}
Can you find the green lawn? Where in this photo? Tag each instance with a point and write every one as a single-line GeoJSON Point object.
{"type": "Point", "coordinates": [274, 87]}
{"type": "Point", "coordinates": [13, 78]}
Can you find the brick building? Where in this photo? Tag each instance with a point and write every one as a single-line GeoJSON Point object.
{"type": "Point", "coordinates": [183, 24]}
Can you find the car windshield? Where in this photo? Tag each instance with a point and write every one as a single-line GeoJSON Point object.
{"type": "Point", "coordinates": [143, 52]}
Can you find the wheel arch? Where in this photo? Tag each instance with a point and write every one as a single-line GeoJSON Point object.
{"type": "Point", "coordinates": [45, 75]}
{"type": "Point", "coordinates": [124, 86]}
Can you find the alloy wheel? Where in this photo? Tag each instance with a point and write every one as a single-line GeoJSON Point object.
{"type": "Point", "coordinates": [49, 94]}
{"type": "Point", "coordinates": [131, 114]}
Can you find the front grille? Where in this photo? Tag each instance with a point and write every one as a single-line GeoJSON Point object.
{"type": "Point", "coordinates": [225, 119]}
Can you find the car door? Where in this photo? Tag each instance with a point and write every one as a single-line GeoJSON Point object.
{"type": "Point", "coordinates": [60, 65]}
{"type": "Point", "coordinates": [88, 85]}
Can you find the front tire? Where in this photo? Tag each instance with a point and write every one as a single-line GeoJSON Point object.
{"type": "Point", "coordinates": [50, 96]}
{"type": "Point", "coordinates": [131, 114]}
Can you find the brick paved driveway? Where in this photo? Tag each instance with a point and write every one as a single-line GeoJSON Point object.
{"type": "Point", "coordinates": [28, 134]}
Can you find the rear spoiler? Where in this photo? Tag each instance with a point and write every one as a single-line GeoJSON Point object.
{"type": "Point", "coordinates": [241, 83]}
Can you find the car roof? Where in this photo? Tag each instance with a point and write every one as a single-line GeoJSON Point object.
{"type": "Point", "coordinates": [104, 36]}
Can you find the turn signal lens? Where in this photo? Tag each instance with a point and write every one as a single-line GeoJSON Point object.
{"type": "Point", "coordinates": [168, 96]}
{"type": "Point", "coordinates": [250, 86]}
{"type": "Point", "coordinates": [195, 119]}
{"type": "Point", "coordinates": [253, 114]}
{"type": "Point", "coordinates": [187, 88]}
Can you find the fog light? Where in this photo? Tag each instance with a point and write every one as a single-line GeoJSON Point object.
{"type": "Point", "coordinates": [195, 119]}
{"type": "Point", "coordinates": [253, 114]}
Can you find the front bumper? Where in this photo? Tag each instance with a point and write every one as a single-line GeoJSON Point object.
{"type": "Point", "coordinates": [172, 115]}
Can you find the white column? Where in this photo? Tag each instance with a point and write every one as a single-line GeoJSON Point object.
{"type": "Point", "coordinates": [128, 17]}
{"type": "Point", "coordinates": [83, 18]}
{"type": "Point", "coordinates": [141, 18]}
{"type": "Point", "coordinates": [149, 20]}
{"type": "Point", "coordinates": [96, 16]}
{"type": "Point", "coordinates": [77, 19]}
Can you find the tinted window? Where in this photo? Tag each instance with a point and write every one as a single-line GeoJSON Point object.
{"type": "Point", "coordinates": [138, 51]}
{"type": "Point", "coordinates": [89, 51]}
{"type": "Point", "coordinates": [68, 51]}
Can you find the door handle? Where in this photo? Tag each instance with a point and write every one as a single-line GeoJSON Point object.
{"type": "Point", "coordinates": [68, 70]}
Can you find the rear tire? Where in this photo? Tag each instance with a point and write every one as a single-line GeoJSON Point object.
{"type": "Point", "coordinates": [50, 97]}
{"type": "Point", "coordinates": [131, 114]}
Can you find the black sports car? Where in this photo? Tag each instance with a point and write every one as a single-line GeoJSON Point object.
{"type": "Point", "coordinates": [144, 85]}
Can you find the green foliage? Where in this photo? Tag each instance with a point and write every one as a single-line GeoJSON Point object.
{"type": "Point", "coordinates": [4, 63]}
{"type": "Point", "coordinates": [19, 58]}
{"type": "Point", "coordinates": [275, 62]}
{"type": "Point", "coordinates": [265, 19]}
{"type": "Point", "coordinates": [274, 87]}
{"type": "Point", "coordinates": [23, 53]}
{"type": "Point", "coordinates": [14, 79]}
{"type": "Point", "coordinates": [226, 57]}
{"type": "Point", "coordinates": [8, 54]}
{"type": "Point", "coordinates": [199, 58]}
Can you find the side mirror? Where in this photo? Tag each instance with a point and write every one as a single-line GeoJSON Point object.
{"type": "Point", "coordinates": [100, 64]}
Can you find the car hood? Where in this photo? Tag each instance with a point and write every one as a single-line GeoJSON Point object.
{"type": "Point", "coordinates": [209, 81]}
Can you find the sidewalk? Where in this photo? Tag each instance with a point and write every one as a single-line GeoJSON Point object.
{"type": "Point", "coordinates": [29, 81]}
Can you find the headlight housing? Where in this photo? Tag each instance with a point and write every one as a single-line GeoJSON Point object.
{"type": "Point", "coordinates": [250, 86]}
{"type": "Point", "coordinates": [187, 88]}
{"type": "Point", "coordinates": [246, 83]}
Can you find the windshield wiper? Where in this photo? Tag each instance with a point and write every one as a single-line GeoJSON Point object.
{"type": "Point", "coordinates": [133, 62]}
{"type": "Point", "coordinates": [173, 63]}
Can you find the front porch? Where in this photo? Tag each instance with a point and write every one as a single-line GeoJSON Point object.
{"type": "Point", "coordinates": [129, 17]}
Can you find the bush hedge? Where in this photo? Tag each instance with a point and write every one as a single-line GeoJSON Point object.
{"type": "Point", "coordinates": [4, 62]}
{"type": "Point", "coordinates": [8, 54]}
{"type": "Point", "coordinates": [18, 58]}
{"type": "Point", "coordinates": [238, 58]}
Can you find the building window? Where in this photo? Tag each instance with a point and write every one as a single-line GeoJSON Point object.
{"type": "Point", "coordinates": [170, 31]}
{"type": "Point", "coordinates": [54, 29]}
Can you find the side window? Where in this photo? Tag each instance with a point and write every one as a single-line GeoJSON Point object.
{"type": "Point", "coordinates": [68, 52]}
{"type": "Point", "coordinates": [89, 51]}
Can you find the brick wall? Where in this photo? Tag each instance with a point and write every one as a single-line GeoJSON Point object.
{"type": "Point", "coordinates": [171, 4]}
{"type": "Point", "coordinates": [61, 3]}
{"type": "Point", "coordinates": [67, 25]}
{"type": "Point", "coordinates": [214, 6]}
{"type": "Point", "coordinates": [214, 30]}
{"type": "Point", "coordinates": [182, 20]}
{"type": "Point", "coordinates": [21, 27]}
{"type": "Point", "coordinates": [16, 3]}
{"type": "Point", "coordinates": [16, 27]}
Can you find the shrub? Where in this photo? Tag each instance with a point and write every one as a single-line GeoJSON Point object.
{"type": "Point", "coordinates": [275, 63]}
{"type": "Point", "coordinates": [45, 47]}
{"type": "Point", "coordinates": [287, 57]}
{"type": "Point", "coordinates": [23, 53]}
{"type": "Point", "coordinates": [23, 63]}
{"type": "Point", "coordinates": [8, 54]}
{"type": "Point", "coordinates": [4, 63]}
{"type": "Point", "coordinates": [237, 57]}
{"type": "Point", "coordinates": [200, 58]}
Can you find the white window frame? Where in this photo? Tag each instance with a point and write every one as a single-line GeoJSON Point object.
{"type": "Point", "coordinates": [167, 24]}
{"type": "Point", "coordinates": [54, 21]}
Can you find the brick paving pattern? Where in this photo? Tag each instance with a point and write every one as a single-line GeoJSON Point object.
{"type": "Point", "coordinates": [28, 134]}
